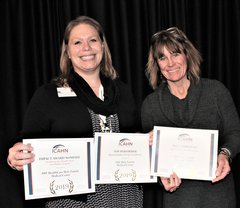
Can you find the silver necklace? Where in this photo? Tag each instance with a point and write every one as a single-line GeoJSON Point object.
{"type": "Point", "coordinates": [103, 123]}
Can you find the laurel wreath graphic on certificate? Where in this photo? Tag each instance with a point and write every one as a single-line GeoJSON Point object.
{"type": "Point", "coordinates": [54, 187]}
{"type": "Point", "coordinates": [118, 175]}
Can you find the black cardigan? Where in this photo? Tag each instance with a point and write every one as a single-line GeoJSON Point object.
{"type": "Point", "coordinates": [51, 116]}
{"type": "Point", "coordinates": [210, 107]}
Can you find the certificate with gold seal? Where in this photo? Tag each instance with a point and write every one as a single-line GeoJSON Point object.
{"type": "Point", "coordinates": [190, 153]}
{"type": "Point", "coordinates": [123, 158]}
{"type": "Point", "coordinates": [61, 167]}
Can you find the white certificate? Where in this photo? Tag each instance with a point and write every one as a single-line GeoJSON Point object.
{"type": "Point", "coordinates": [61, 167]}
{"type": "Point", "coordinates": [123, 158]}
{"type": "Point", "coordinates": [190, 153]}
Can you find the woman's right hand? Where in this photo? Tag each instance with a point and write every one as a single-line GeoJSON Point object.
{"type": "Point", "coordinates": [172, 183]}
{"type": "Point", "coordinates": [19, 155]}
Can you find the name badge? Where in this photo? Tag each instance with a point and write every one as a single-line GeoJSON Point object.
{"type": "Point", "coordinates": [65, 92]}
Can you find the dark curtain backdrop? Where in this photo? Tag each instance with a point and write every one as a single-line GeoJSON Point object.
{"type": "Point", "coordinates": [30, 39]}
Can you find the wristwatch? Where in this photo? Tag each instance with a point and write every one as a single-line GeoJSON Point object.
{"type": "Point", "coordinates": [226, 152]}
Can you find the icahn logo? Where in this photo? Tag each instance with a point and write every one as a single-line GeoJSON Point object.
{"type": "Point", "coordinates": [125, 142]}
{"type": "Point", "coordinates": [59, 148]}
{"type": "Point", "coordinates": [184, 137]}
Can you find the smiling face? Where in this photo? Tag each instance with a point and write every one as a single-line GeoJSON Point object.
{"type": "Point", "coordinates": [173, 65]}
{"type": "Point", "coordinates": [85, 49]}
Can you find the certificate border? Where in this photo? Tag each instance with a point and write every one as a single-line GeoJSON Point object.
{"type": "Point", "coordinates": [157, 151]}
{"type": "Point", "coordinates": [211, 156]}
{"type": "Point", "coordinates": [89, 165]}
{"type": "Point", "coordinates": [98, 165]}
{"type": "Point", "coordinates": [30, 185]}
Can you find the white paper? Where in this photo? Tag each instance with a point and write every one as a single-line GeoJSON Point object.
{"type": "Point", "coordinates": [61, 167]}
{"type": "Point", "coordinates": [190, 153]}
{"type": "Point", "coordinates": [123, 158]}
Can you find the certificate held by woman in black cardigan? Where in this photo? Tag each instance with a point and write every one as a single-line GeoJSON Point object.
{"type": "Point", "coordinates": [61, 167]}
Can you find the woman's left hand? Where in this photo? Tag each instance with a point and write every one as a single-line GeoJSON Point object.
{"type": "Point", "coordinates": [223, 168]}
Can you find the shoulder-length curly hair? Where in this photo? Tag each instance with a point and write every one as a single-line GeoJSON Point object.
{"type": "Point", "coordinates": [106, 67]}
{"type": "Point", "coordinates": [176, 41]}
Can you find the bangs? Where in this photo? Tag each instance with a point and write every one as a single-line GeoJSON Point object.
{"type": "Point", "coordinates": [169, 43]}
{"type": "Point", "coordinates": [170, 46]}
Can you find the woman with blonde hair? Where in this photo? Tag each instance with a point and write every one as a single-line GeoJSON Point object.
{"type": "Point", "coordinates": [181, 98]}
{"type": "Point", "coordinates": [97, 102]}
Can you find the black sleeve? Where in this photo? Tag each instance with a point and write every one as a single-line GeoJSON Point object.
{"type": "Point", "coordinates": [36, 122]}
{"type": "Point", "coordinates": [229, 118]}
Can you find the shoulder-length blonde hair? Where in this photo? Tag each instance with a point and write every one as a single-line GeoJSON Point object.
{"type": "Point", "coordinates": [106, 67]}
{"type": "Point", "coordinates": [176, 41]}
